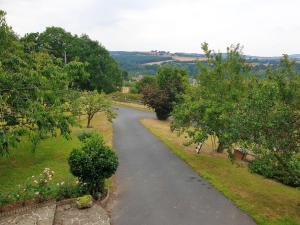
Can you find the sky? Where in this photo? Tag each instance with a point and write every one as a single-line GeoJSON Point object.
{"type": "Point", "coordinates": [263, 27]}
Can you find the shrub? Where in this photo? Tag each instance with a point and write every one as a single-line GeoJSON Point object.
{"type": "Point", "coordinates": [69, 190]}
{"type": "Point", "coordinates": [43, 190]}
{"type": "Point", "coordinates": [93, 162]}
{"type": "Point", "coordinates": [37, 188]}
{"type": "Point", "coordinates": [267, 165]}
{"type": "Point", "coordinates": [157, 100]}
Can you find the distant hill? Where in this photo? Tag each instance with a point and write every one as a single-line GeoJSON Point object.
{"type": "Point", "coordinates": [148, 62]}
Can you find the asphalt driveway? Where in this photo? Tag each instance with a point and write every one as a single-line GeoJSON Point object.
{"type": "Point", "coordinates": [154, 187]}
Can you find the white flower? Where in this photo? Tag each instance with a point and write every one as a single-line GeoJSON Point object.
{"type": "Point", "coordinates": [35, 181]}
{"type": "Point", "coordinates": [62, 183]}
{"type": "Point", "coordinates": [37, 193]}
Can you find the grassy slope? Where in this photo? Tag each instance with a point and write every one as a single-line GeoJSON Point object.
{"type": "Point", "coordinates": [268, 202]}
{"type": "Point", "coordinates": [52, 153]}
{"type": "Point", "coordinates": [133, 105]}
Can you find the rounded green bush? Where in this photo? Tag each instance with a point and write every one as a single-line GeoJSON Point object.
{"type": "Point", "coordinates": [93, 162]}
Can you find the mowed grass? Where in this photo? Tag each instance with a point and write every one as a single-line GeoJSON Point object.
{"type": "Point", "coordinates": [267, 201]}
{"type": "Point", "coordinates": [51, 153]}
{"type": "Point", "coordinates": [133, 106]}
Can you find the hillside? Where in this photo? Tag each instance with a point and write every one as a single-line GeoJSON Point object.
{"type": "Point", "coordinates": [149, 62]}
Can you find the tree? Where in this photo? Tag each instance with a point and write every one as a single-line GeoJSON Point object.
{"type": "Point", "coordinates": [206, 109]}
{"type": "Point", "coordinates": [33, 92]}
{"type": "Point", "coordinates": [93, 102]}
{"type": "Point", "coordinates": [165, 92]}
{"type": "Point", "coordinates": [104, 72]}
{"type": "Point", "coordinates": [146, 80]}
{"type": "Point", "coordinates": [268, 122]}
{"type": "Point", "coordinates": [93, 162]}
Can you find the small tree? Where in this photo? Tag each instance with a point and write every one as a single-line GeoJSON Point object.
{"type": "Point", "coordinates": [207, 108]}
{"type": "Point", "coordinates": [171, 82]}
{"type": "Point", "coordinates": [93, 102]}
{"type": "Point", "coordinates": [93, 162]}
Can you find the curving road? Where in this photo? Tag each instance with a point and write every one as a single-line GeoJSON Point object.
{"type": "Point", "coordinates": [154, 187]}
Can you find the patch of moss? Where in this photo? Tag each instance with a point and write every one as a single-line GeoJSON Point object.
{"type": "Point", "coordinates": [84, 200]}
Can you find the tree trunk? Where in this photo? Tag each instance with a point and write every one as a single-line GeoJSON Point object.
{"type": "Point", "coordinates": [89, 119]}
{"type": "Point", "coordinates": [221, 147]}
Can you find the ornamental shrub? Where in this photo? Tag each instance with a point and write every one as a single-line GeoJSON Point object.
{"type": "Point", "coordinates": [93, 162]}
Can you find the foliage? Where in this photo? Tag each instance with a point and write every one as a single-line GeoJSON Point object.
{"type": "Point", "coordinates": [207, 108]}
{"type": "Point", "coordinates": [260, 115]}
{"type": "Point", "coordinates": [93, 162]}
{"type": "Point", "coordinates": [267, 165]}
{"type": "Point", "coordinates": [268, 122]}
{"type": "Point", "coordinates": [93, 102]}
{"type": "Point", "coordinates": [33, 89]}
{"type": "Point", "coordinates": [36, 188]}
{"type": "Point", "coordinates": [69, 190]}
{"type": "Point", "coordinates": [40, 75]}
{"type": "Point", "coordinates": [41, 188]}
{"type": "Point", "coordinates": [164, 93]}
{"type": "Point", "coordinates": [103, 73]}
{"type": "Point", "coordinates": [146, 80]}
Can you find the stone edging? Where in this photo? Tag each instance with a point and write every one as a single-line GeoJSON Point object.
{"type": "Point", "coordinates": [25, 209]}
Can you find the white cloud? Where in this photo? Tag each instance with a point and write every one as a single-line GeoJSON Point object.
{"type": "Point", "coordinates": [269, 27]}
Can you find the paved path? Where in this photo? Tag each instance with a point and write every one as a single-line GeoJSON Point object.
{"type": "Point", "coordinates": [154, 187]}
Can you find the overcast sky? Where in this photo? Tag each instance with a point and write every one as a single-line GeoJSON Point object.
{"type": "Point", "coordinates": [263, 27]}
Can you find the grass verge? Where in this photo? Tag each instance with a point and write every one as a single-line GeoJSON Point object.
{"type": "Point", "coordinates": [267, 201]}
{"type": "Point", "coordinates": [52, 153]}
{"type": "Point", "coordinates": [133, 105]}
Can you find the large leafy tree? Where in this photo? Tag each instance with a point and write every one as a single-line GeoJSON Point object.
{"type": "Point", "coordinates": [208, 107]}
{"type": "Point", "coordinates": [104, 73]}
{"type": "Point", "coordinates": [161, 95]}
{"type": "Point", "coordinates": [268, 121]}
{"type": "Point", "coordinates": [34, 89]}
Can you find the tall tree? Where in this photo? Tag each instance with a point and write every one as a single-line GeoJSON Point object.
{"type": "Point", "coordinates": [161, 95]}
{"type": "Point", "coordinates": [207, 108]}
{"type": "Point", "coordinates": [104, 73]}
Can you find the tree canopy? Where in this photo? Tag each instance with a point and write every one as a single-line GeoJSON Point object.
{"type": "Point", "coordinates": [39, 76]}
{"type": "Point", "coordinates": [104, 73]}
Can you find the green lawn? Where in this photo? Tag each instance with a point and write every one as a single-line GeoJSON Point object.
{"type": "Point", "coordinates": [52, 153]}
{"type": "Point", "coordinates": [267, 201]}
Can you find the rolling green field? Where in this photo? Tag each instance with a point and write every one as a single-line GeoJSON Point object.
{"type": "Point", "coordinates": [52, 153]}
{"type": "Point", "coordinates": [267, 201]}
